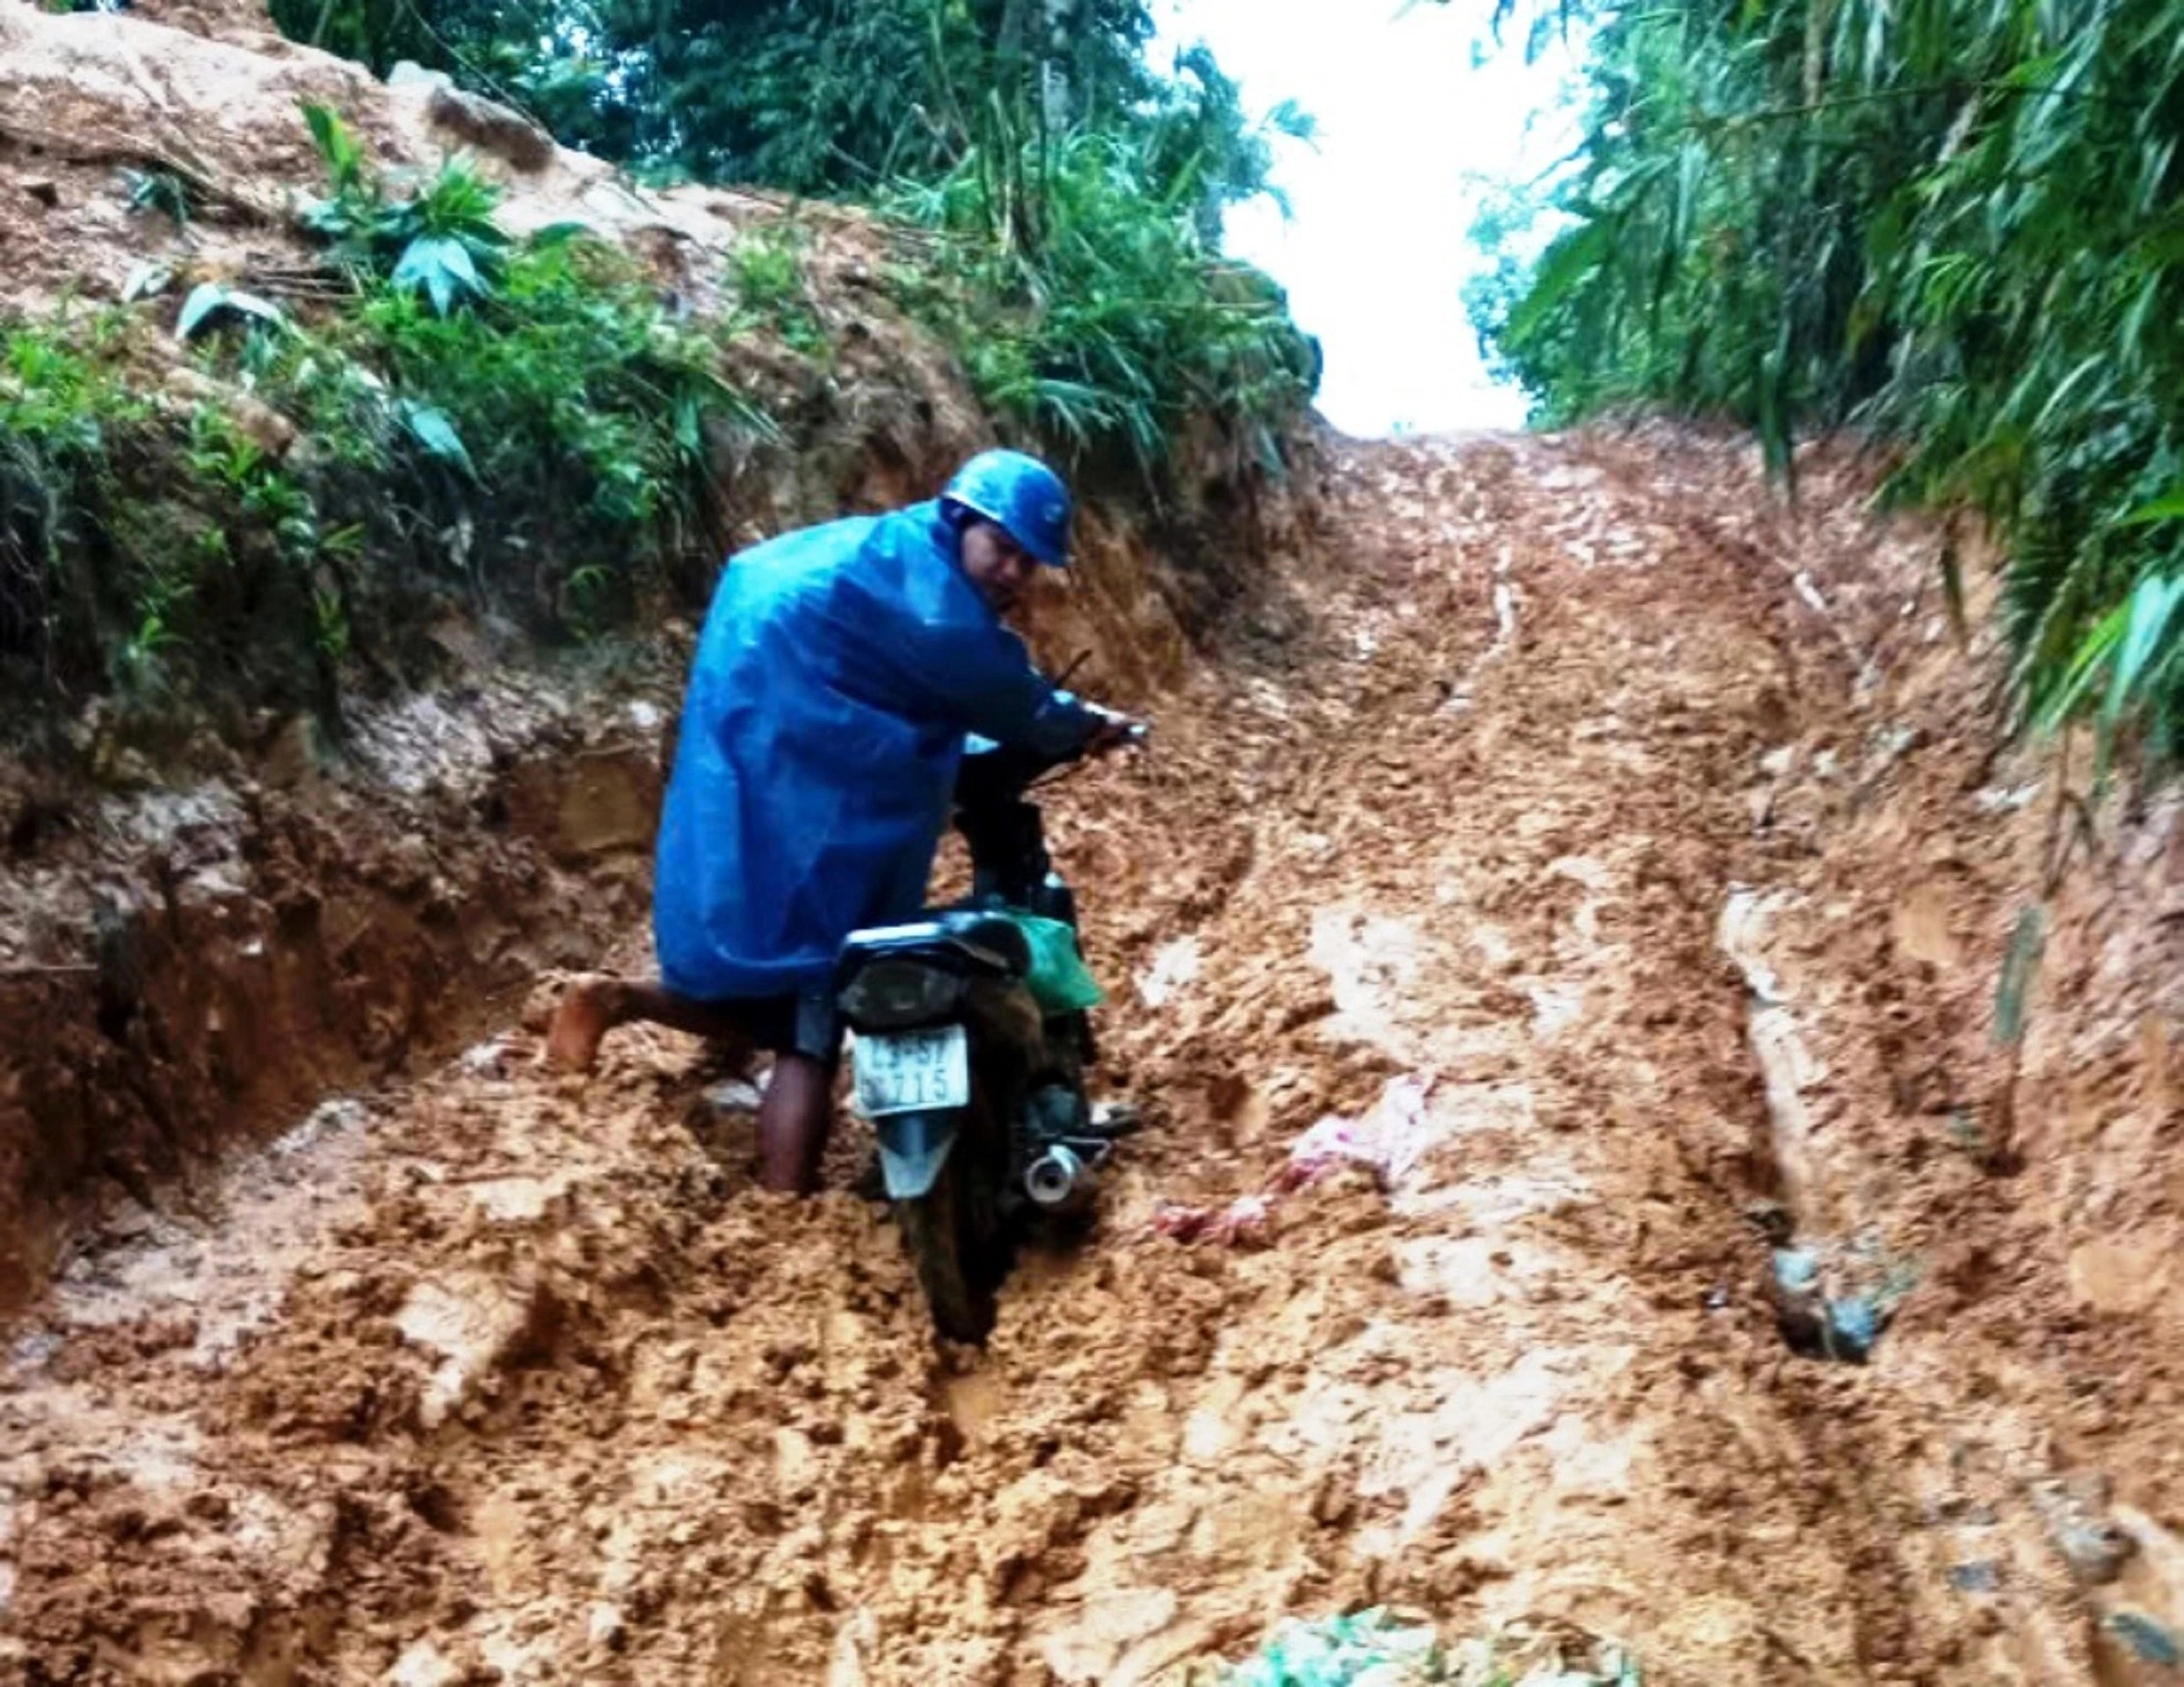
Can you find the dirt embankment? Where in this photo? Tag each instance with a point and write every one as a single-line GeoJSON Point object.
{"type": "Point", "coordinates": [183, 968]}
{"type": "Point", "coordinates": [191, 951]}
{"type": "Point", "coordinates": [1624, 857]}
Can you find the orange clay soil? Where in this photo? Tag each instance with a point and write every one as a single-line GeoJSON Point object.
{"type": "Point", "coordinates": [1621, 850]}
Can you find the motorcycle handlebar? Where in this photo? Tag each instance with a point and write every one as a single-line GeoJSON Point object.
{"type": "Point", "coordinates": [1004, 773]}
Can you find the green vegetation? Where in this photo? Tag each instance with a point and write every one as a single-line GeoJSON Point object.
{"type": "Point", "coordinates": [518, 426]}
{"type": "Point", "coordinates": [162, 190]}
{"type": "Point", "coordinates": [1079, 193]}
{"type": "Point", "coordinates": [1958, 224]}
{"type": "Point", "coordinates": [766, 274]}
{"type": "Point", "coordinates": [1091, 314]}
{"type": "Point", "coordinates": [445, 412]}
{"type": "Point", "coordinates": [62, 401]}
{"type": "Point", "coordinates": [441, 241]}
{"type": "Point", "coordinates": [816, 96]}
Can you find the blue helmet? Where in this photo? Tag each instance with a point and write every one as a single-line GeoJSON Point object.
{"type": "Point", "coordinates": [1022, 495]}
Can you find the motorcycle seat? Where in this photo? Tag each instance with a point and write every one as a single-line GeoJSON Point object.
{"type": "Point", "coordinates": [986, 942]}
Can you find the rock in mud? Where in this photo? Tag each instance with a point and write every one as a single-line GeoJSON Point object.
{"type": "Point", "coordinates": [492, 127]}
{"type": "Point", "coordinates": [473, 1324]}
{"type": "Point", "coordinates": [1816, 1323]}
{"type": "Point", "coordinates": [606, 1626]}
{"type": "Point", "coordinates": [423, 1664]}
{"type": "Point", "coordinates": [486, 124]}
{"type": "Point", "coordinates": [2074, 1509]}
{"type": "Point", "coordinates": [2150, 1641]}
{"type": "Point", "coordinates": [1854, 1324]}
{"type": "Point", "coordinates": [407, 73]}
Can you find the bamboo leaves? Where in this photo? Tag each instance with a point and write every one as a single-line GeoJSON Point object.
{"type": "Point", "coordinates": [1957, 223]}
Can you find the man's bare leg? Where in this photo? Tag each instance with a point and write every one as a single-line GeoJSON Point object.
{"type": "Point", "coordinates": [793, 1120]}
{"type": "Point", "coordinates": [797, 1112]}
{"type": "Point", "coordinates": [594, 1006]}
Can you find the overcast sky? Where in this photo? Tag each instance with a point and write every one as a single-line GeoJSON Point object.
{"type": "Point", "coordinates": [1378, 245]}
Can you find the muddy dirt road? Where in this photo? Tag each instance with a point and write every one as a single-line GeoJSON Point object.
{"type": "Point", "coordinates": [502, 1377]}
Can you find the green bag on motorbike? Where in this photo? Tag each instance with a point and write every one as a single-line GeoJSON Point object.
{"type": "Point", "coordinates": [1059, 982]}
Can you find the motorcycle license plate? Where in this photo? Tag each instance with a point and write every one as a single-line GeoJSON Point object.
{"type": "Point", "coordinates": [912, 1071]}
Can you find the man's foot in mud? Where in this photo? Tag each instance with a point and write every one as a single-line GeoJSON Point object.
{"type": "Point", "coordinates": [584, 1017]}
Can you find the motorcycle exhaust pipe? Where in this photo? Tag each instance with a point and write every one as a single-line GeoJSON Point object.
{"type": "Point", "coordinates": [1058, 1178]}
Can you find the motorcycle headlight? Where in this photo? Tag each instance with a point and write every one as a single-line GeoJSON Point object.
{"type": "Point", "coordinates": [890, 993]}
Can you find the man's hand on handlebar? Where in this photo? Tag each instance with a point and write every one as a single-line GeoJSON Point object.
{"type": "Point", "coordinates": [1113, 731]}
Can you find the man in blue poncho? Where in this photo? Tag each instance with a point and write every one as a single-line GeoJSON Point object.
{"type": "Point", "coordinates": [838, 671]}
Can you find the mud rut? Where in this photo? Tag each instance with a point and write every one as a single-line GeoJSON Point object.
{"type": "Point", "coordinates": [500, 1374]}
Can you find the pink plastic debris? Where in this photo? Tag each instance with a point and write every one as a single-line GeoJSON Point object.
{"type": "Point", "coordinates": [1242, 1223]}
{"type": "Point", "coordinates": [1332, 1140]}
{"type": "Point", "coordinates": [1183, 1223]}
{"type": "Point", "coordinates": [1389, 1139]}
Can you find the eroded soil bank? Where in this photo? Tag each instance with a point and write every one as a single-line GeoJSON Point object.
{"type": "Point", "coordinates": [302, 920]}
{"type": "Point", "coordinates": [1623, 854]}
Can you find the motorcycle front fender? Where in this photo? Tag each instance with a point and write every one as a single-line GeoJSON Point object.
{"type": "Point", "coordinates": [913, 1148]}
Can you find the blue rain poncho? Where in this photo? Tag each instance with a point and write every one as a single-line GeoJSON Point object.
{"type": "Point", "coordinates": [840, 669]}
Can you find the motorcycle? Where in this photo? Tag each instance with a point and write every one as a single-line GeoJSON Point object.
{"type": "Point", "coordinates": [975, 1093]}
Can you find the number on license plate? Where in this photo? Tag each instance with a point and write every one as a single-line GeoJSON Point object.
{"type": "Point", "coordinates": [910, 1071]}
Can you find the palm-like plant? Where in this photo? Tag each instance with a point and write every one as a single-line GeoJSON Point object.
{"type": "Point", "coordinates": [441, 242]}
